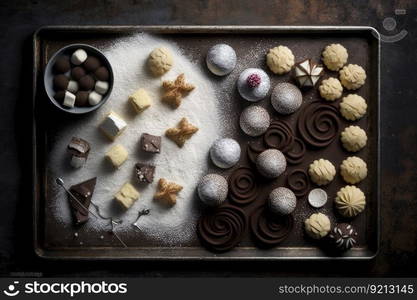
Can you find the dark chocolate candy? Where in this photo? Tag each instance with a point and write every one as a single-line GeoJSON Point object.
{"type": "Point", "coordinates": [81, 98]}
{"type": "Point", "coordinates": [62, 65]}
{"type": "Point", "coordinates": [102, 74]}
{"type": "Point", "coordinates": [92, 63]}
{"type": "Point", "coordinates": [61, 82]}
{"type": "Point", "coordinates": [86, 83]}
{"type": "Point", "coordinates": [144, 172]}
{"type": "Point", "coordinates": [83, 192]}
{"type": "Point", "coordinates": [59, 96]}
{"type": "Point", "coordinates": [150, 143]}
{"type": "Point", "coordinates": [77, 73]}
{"type": "Point", "coordinates": [79, 147]}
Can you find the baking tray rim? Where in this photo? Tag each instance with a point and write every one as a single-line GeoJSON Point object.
{"type": "Point", "coordinates": [206, 29]}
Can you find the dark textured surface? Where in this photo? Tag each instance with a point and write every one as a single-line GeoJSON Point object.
{"type": "Point", "coordinates": [19, 19]}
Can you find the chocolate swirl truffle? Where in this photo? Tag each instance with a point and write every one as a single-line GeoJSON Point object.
{"type": "Point", "coordinates": [279, 136]}
{"type": "Point", "coordinates": [222, 229]}
{"type": "Point", "coordinates": [295, 154]}
{"type": "Point", "coordinates": [299, 182]}
{"type": "Point", "coordinates": [243, 188]}
{"type": "Point", "coordinates": [268, 229]}
{"type": "Point", "coordinates": [318, 124]}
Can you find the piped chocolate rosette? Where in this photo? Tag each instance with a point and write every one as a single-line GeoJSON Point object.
{"type": "Point", "coordinates": [243, 188]}
{"type": "Point", "coordinates": [279, 136]}
{"type": "Point", "coordinates": [268, 229]}
{"type": "Point", "coordinates": [318, 124]}
{"type": "Point", "coordinates": [223, 228]}
{"type": "Point", "coordinates": [299, 182]}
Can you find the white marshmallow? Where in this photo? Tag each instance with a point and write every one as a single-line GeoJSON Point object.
{"type": "Point", "coordinates": [72, 86]}
{"type": "Point", "coordinates": [77, 161]}
{"type": "Point", "coordinates": [101, 87]}
{"type": "Point", "coordinates": [79, 56]}
{"type": "Point", "coordinates": [113, 125]}
{"type": "Point", "coordinates": [69, 99]}
{"type": "Point", "coordinates": [94, 98]}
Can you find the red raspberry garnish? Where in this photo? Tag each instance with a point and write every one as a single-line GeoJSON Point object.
{"type": "Point", "coordinates": [253, 80]}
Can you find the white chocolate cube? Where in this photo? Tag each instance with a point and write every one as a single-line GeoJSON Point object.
{"type": "Point", "coordinates": [127, 195]}
{"type": "Point", "coordinates": [69, 99]}
{"type": "Point", "coordinates": [101, 87]}
{"type": "Point", "coordinates": [78, 57]}
{"type": "Point", "coordinates": [117, 155]}
{"type": "Point", "coordinates": [140, 100]}
{"type": "Point", "coordinates": [94, 98]}
{"type": "Point", "coordinates": [113, 125]}
{"type": "Point", "coordinates": [72, 86]}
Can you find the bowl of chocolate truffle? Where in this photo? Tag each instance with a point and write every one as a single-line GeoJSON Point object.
{"type": "Point", "coordinates": [78, 79]}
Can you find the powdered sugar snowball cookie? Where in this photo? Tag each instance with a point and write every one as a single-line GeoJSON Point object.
{"type": "Point", "coordinates": [225, 153]}
{"type": "Point", "coordinates": [221, 59]}
{"type": "Point", "coordinates": [353, 138]}
{"type": "Point", "coordinates": [254, 120]}
{"type": "Point", "coordinates": [271, 163]}
{"type": "Point", "coordinates": [352, 76]}
{"type": "Point", "coordinates": [160, 61]}
{"type": "Point", "coordinates": [212, 189]}
{"type": "Point", "coordinates": [353, 107]}
{"type": "Point", "coordinates": [286, 98]}
{"type": "Point", "coordinates": [280, 60]}
{"type": "Point", "coordinates": [353, 169]}
{"type": "Point", "coordinates": [334, 56]}
{"type": "Point", "coordinates": [331, 89]}
{"type": "Point", "coordinates": [321, 171]}
{"type": "Point", "coordinates": [253, 84]}
{"type": "Point", "coordinates": [282, 201]}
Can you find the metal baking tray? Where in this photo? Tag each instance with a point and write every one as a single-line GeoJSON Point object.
{"type": "Point", "coordinates": [52, 241]}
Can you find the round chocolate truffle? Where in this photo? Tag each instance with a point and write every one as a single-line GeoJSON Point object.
{"type": "Point", "coordinates": [286, 98]}
{"type": "Point", "coordinates": [225, 153]}
{"type": "Point", "coordinates": [282, 201]}
{"type": "Point", "coordinates": [59, 96]}
{"type": "Point", "coordinates": [253, 84]}
{"type": "Point", "coordinates": [62, 64]}
{"type": "Point", "coordinates": [77, 73]}
{"type": "Point", "coordinates": [212, 189]}
{"type": "Point", "coordinates": [60, 82]}
{"type": "Point", "coordinates": [102, 74]}
{"type": "Point", "coordinates": [81, 98]}
{"type": "Point", "coordinates": [92, 63]}
{"type": "Point", "coordinates": [221, 59]}
{"type": "Point", "coordinates": [254, 120]}
{"type": "Point", "coordinates": [343, 237]}
{"type": "Point", "coordinates": [271, 163]}
{"type": "Point", "coordinates": [86, 83]}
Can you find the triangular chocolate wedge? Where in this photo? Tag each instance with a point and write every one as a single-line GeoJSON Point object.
{"type": "Point", "coordinates": [83, 192]}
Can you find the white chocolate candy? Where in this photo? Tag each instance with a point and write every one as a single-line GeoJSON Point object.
{"type": "Point", "coordinates": [72, 86]}
{"type": "Point", "coordinates": [77, 161]}
{"type": "Point", "coordinates": [69, 99]}
{"type": "Point", "coordinates": [94, 98]}
{"type": "Point", "coordinates": [101, 87]}
{"type": "Point", "coordinates": [78, 57]}
{"type": "Point", "coordinates": [113, 125]}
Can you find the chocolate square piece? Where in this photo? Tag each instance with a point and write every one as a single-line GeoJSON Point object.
{"type": "Point", "coordinates": [150, 143]}
{"type": "Point", "coordinates": [79, 147]}
{"type": "Point", "coordinates": [144, 172]}
{"type": "Point", "coordinates": [83, 192]}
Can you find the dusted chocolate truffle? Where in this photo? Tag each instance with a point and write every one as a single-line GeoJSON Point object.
{"type": "Point", "coordinates": [77, 73]}
{"type": "Point", "coordinates": [60, 82]}
{"type": "Point", "coordinates": [343, 237]}
{"type": "Point", "coordinates": [308, 73]}
{"type": "Point", "coordinates": [86, 83]}
{"type": "Point", "coordinates": [92, 63]}
{"type": "Point", "coordinates": [254, 120]}
{"type": "Point", "coordinates": [271, 163]}
{"type": "Point", "coordinates": [282, 201]}
{"type": "Point", "coordinates": [253, 84]}
{"type": "Point", "coordinates": [81, 98]}
{"type": "Point", "coordinates": [221, 59]}
{"type": "Point", "coordinates": [102, 74]}
{"type": "Point", "coordinates": [62, 64]}
{"type": "Point", "coordinates": [286, 98]}
{"type": "Point", "coordinates": [225, 153]}
{"type": "Point", "coordinates": [212, 189]}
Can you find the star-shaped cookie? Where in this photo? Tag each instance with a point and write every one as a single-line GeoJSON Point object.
{"type": "Point", "coordinates": [167, 191]}
{"type": "Point", "coordinates": [176, 90]}
{"type": "Point", "coordinates": [182, 132]}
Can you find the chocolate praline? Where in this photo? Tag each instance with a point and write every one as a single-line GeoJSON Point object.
{"type": "Point", "coordinates": [86, 83]}
{"type": "Point", "coordinates": [77, 73]}
{"type": "Point", "coordinates": [343, 237]}
{"type": "Point", "coordinates": [92, 63]}
{"type": "Point", "coordinates": [102, 74]}
{"type": "Point", "coordinates": [81, 98]}
{"type": "Point", "coordinates": [62, 64]}
{"type": "Point", "coordinates": [60, 82]}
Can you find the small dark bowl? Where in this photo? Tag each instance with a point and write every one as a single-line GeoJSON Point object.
{"type": "Point", "coordinates": [49, 75]}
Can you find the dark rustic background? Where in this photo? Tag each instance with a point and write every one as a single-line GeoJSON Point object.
{"type": "Point", "coordinates": [19, 19]}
